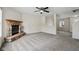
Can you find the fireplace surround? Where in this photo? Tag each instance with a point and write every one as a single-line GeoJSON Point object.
{"type": "Point", "coordinates": [15, 29]}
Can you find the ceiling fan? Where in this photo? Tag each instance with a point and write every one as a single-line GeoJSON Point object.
{"type": "Point", "coordinates": [42, 9]}
{"type": "Point", "coordinates": [75, 10]}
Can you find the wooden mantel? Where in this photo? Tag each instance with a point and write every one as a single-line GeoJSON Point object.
{"type": "Point", "coordinates": [10, 20]}
{"type": "Point", "coordinates": [13, 22]}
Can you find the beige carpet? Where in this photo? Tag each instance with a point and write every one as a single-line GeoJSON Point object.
{"type": "Point", "coordinates": [43, 42]}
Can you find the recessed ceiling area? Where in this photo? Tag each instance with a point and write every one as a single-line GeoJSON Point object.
{"type": "Point", "coordinates": [61, 11]}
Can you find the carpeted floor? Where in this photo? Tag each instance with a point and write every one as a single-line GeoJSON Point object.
{"type": "Point", "coordinates": [44, 42]}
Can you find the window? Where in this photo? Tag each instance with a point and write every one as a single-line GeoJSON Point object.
{"type": "Point", "coordinates": [61, 24]}
{"type": "Point", "coordinates": [0, 22]}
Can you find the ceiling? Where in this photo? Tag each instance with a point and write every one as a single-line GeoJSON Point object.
{"type": "Point", "coordinates": [61, 11]}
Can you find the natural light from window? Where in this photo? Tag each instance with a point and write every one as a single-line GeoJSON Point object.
{"type": "Point", "coordinates": [61, 24]}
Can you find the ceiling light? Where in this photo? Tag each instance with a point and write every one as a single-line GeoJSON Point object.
{"type": "Point", "coordinates": [41, 11]}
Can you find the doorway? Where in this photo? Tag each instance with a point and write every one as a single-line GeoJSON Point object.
{"type": "Point", "coordinates": [64, 27]}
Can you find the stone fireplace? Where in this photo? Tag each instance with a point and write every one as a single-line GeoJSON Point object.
{"type": "Point", "coordinates": [15, 29]}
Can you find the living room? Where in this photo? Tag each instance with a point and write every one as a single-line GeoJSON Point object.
{"type": "Point", "coordinates": [26, 21]}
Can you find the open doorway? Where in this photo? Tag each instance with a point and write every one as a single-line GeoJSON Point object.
{"type": "Point", "coordinates": [64, 27]}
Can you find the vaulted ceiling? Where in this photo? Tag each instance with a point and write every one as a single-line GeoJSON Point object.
{"type": "Point", "coordinates": [61, 11]}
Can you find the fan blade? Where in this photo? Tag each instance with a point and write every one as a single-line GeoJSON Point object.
{"type": "Point", "coordinates": [46, 8]}
{"type": "Point", "coordinates": [75, 10]}
{"type": "Point", "coordinates": [46, 11]}
{"type": "Point", "coordinates": [37, 11]}
{"type": "Point", "coordinates": [42, 8]}
{"type": "Point", "coordinates": [38, 8]}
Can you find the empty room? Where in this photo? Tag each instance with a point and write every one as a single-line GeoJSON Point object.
{"type": "Point", "coordinates": [39, 29]}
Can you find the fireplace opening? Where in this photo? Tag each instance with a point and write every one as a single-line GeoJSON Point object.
{"type": "Point", "coordinates": [15, 29]}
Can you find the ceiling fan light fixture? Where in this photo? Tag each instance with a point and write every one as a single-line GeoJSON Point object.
{"type": "Point", "coordinates": [41, 11]}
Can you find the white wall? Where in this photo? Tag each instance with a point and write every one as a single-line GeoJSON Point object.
{"type": "Point", "coordinates": [75, 28]}
{"type": "Point", "coordinates": [31, 23]}
{"type": "Point", "coordinates": [49, 24]}
{"type": "Point", "coordinates": [9, 13]}
{"type": "Point", "coordinates": [0, 27]}
{"type": "Point", "coordinates": [71, 23]}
